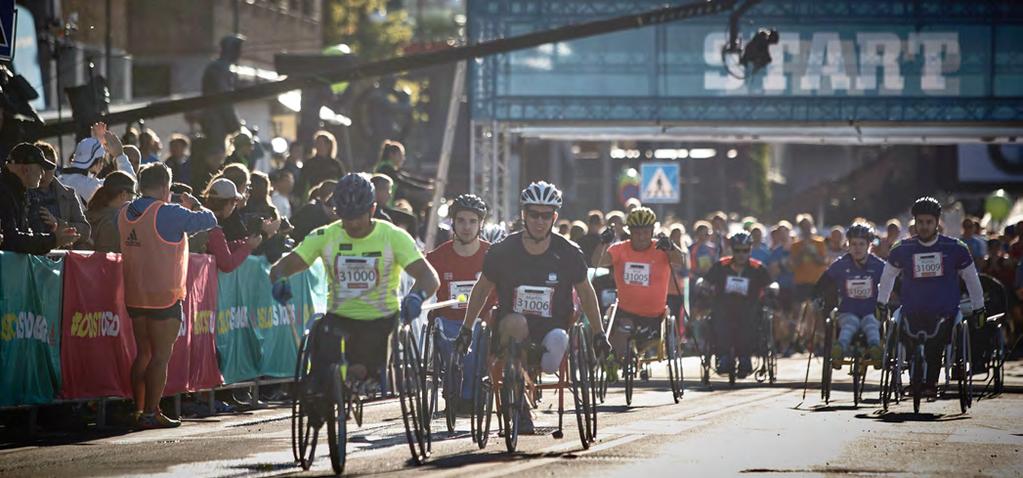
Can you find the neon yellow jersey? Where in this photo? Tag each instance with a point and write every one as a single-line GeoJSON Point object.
{"type": "Point", "coordinates": [363, 274]}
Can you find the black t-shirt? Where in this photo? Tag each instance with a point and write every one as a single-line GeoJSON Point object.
{"type": "Point", "coordinates": [737, 290]}
{"type": "Point", "coordinates": [588, 243]}
{"type": "Point", "coordinates": [540, 286]}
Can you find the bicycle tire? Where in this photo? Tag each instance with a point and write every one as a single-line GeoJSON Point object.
{"type": "Point", "coordinates": [511, 396]}
{"type": "Point", "coordinates": [337, 427]}
{"type": "Point", "coordinates": [408, 378]}
{"type": "Point", "coordinates": [629, 370]}
{"type": "Point", "coordinates": [674, 353]}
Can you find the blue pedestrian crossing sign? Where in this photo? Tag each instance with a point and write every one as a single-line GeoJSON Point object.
{"type": "Point", "coordinates": [660, 183]}
{"type": "Point", "coordinates": [6, 30]}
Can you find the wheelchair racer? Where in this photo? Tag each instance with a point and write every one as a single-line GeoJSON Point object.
{"type": "Point", "coordinates": [642, 271]}
{"type": "Point", "coordinates": [930, 265]}
{"type": "Point", "coordinates": [737, 284]}
{"type": "Point", "coordinates": [458, 263]}
{"type": "Point", "coordinates": [854, 276]}
{"type": "Point", "coordinates": [364, 258]}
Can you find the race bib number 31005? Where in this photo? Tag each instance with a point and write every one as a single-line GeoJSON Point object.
{"type": "Point", "coordinates": [534, 301]}
{"type": "Point", "coordinates": [637, 273]}
{"type": "Point", "coordinates": [927, 265]}
{"type": "Point", "coordinates": [355, 275]}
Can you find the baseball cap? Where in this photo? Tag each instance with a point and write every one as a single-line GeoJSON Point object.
{"type": "Point", "coordinates": [86, 153]}
{"type": "Point", "coordinates": [223, 188]}
{"type": "Point", "coordinates": [27, 153]}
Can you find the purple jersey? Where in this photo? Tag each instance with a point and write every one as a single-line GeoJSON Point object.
{"type": "Point", "coordinates": [930, 275]}
{"type": "Point", "coordinates": [857, 285]}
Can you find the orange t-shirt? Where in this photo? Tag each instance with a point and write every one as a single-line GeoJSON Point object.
{"type": "Point", "coordinates": [805, 269]}
{"type": "Point", "coordinates": [641, 277]}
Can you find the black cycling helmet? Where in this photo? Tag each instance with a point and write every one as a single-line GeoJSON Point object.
{"type": "Point", "coordinates": [860, 231]}
{"type": "Point", "coordinates": [354, 196]}
{"type": "Point", "coordinates": [926, 205]}
{"type": "Point", "coordinates": [740, 239]}
{"type": "Point", "coordinates": [471, 203]}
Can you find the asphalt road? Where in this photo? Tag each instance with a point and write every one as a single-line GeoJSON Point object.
{"type": "Point", "coordinates": [749, 429]}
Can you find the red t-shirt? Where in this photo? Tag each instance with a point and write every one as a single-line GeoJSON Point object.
{"type": "Point", "coordinates": [457, 276]}
{"type": "Point", "coordinates": [641, 277]}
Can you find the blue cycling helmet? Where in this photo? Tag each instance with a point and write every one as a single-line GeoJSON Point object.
{"type": "Point", "coordinates": [354, 195]}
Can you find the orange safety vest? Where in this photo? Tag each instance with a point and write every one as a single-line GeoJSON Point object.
{"type": "Point", "coordinates": [154, 269]}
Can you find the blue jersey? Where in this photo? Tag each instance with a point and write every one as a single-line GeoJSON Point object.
{"type": "Point", "coordinates": [781, 256]}
{"type": "Point", "coordinates": [930, 275]}
{"type": "Point", "coordinates": [857, 285]}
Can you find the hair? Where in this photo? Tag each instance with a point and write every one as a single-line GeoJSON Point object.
{"type": "Point", "coordinates": [322, 190]}
{"type": "Point", "coordinates": [580, 226]}
{"type": "Point", "coordinates": [131, 136]}
{"type": "Point", "coordinates": [48, 151]}
{"type": "Point", "coordinates": [719, 215]}
{"type": "Point", "coordinates": [148, 136]}
{"type": "Point", "coordinates": [757, 225]}
{"type": "Point", "coordinates": [179, 138]}
{"type": "Point", "coordinates": [153, 176]}
{"type": "Point", "coordinates": [783, 223]}
{"type": "Point", "coordinates": [181, 188]}
{"type": "Point", "coordinates": [237, 174]}
{"type": "Point", "coordinates": [110, 189]}
{"type": "Point", "coordinates": [804, 217]}
{"type": "Point", "coordinates": [618, 214]}
{"type": "Point", "coordinates": [330, 137]}
{"type": "Point", "coordinates": [260, 184]}
{"type": "Point", "coordinates": [705, 224]}
{"type": "Point", "coordinates": [381, 180]}
{"type": "Point", "coordinates": [279, 174]}
{"type": "Point", "coordinates": [595, 218]}
{"type": "Point", "coordinates": [389, 147]}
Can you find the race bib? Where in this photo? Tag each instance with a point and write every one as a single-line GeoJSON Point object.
{"type": "Point", "coordinates": [355, 275]}
{"type": "Point", "coordinates": [928, 265]}
{"type": "Point", "coordinates": [737, 285]}
{"type": "Point", "coordinates": [535, 301]}
{"type": "Point", "coordinates": [703, 262]}
{"type": "Point", "coordinates": [637, 273]}
{"type": "Point", "coordinates": [460, 287]}
{"type": "Point", "coordinates": [859, 288]}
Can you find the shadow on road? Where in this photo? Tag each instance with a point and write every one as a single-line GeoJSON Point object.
{"type": "Point", "coordinates": [903, 417]}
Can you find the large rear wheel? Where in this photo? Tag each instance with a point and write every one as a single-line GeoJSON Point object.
{"type": "Point", "coordinates": [337, 428]}
{"type": "Point", "coordinates": [629, 370]}
{"type": "Point", "coordinates": [483, 390]}
{"type": "Point", "coordinates": [408, 376]}
{"type": "Point", "coordinates": [581, 380]}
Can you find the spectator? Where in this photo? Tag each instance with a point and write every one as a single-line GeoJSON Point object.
{"type": "Point", "coordinates": [283, 185]}
{"type": "Point", "coordinates": [577, 231]}
{"type": "Point", "coordinates": [318, 212]}
{"type": "Point", "coordinates": [53, 202]}
{"type": "Point", "coordinates": [234, 226]}
{"type": "Point", "coordinates": [997, 263]}
{"type": "Point", "coordinates": [86, 163]}
{"type": "Point", "coordinates": [118, 189]}
{"type": "Point", "coordinates": [134, 156]}
{"type": "Point", "coordinates": [632, 203]}
{"type": "Point", "coordinates": [616, 220]}
{"type": "Point", "coordinates": [149, 147]}
{"type": "Point", "coordinates": [154, 248]}
{"type": "Point", "coordinates": [222, 198]}
{"type": "Point", "coordinates": [293, 164]}
{"type": "Point", "coordinates": [719, 233]}
{"type": "Point", "coordinates": [893, 231]}
{"type": "Point", "coordinates": [704, 253]}
{"type": "Point", "coordinates": [809, 259]}
{"type": "Point", "coordinates": [759, 250]}
{"type": "Point", "coordinates": [977, 246]}
{"type": "Point", "coordinates": [179, 161]}
{"type": "Point", "coordinates": [391, 162]}
{"type": "Point", "coordinates": [836, 244]}
{"type": "Point", "coordinates": [382, 185]}
{"type": "Point", "coordinates": [779, 265]}
{"type": "Point", "coordinates": [260, 216]}
{"type": "Point", "coordinates": [24, 171]}
{"type": "Point", "coordinates": [1016, 246]}
{"type": "Point", "coordinates": [323, 165]}
{"type": "Point", "coordinates": [206, 162]}
{"type": "Point", "coordinates": [589, 242]}
{"type": "Point", "coordinates": [680, 274]}
{"type": "Point", "coordinates": [564, 225]}
{"type": "Point", "coordinates": [241, 149]}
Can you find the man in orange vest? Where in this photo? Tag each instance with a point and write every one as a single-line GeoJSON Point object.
{"type": "Point", "coordinates": [154, 248]}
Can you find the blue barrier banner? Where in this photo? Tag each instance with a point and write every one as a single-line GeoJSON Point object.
{"type": "Point", "coordinates": [243, 302]}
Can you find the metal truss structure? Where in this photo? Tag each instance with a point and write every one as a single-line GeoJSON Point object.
{"type": "Point", "coordinates": [493, 170]}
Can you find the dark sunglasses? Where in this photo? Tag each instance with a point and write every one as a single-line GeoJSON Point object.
{"type": "Point", "coordinates": [534, 215]}
{"type": "Point", "coordinates": [741, 250]}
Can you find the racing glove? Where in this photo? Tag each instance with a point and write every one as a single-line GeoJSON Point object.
{"type": "Point", "coordinates": [881, 312]}
{"type": "Point", "coordinates": [463, 341]}
{"type": "Point", "coordinates": [979, 318]}
{"type": "Point", "coordinates": [282, 291]}
{"type": "Point", "coordinates": [608, 236]}
{"type": "Point", "coordinates": [412, 305]}
{"type": "Point", "coordinates": [601, 346]}
{"type": "Point", "coordinates": [664, 243]}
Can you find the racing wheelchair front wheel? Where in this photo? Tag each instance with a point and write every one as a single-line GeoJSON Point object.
{"type": "Point", "coordinates": [581, 363]}
{"type": "Point", "coordinates": [411, 387]}
{"type": "Point", "coordinates": [673, 350]}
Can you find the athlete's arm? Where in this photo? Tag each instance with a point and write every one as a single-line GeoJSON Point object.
{"type": "Point", "coordinates": [425, 277]}
{"type": "Point", "coordinates": [477, 300]}
{"type": "Point", "coordinates": [888, 276]}
{"type": "Point", "coordinates": [588, 298]}
{"type": "Point", "coordinates": [287, 266]}
{"type": "Point", "coordinates": [600, 256]}
{"type": "Point", "coordinates": [969, 275]}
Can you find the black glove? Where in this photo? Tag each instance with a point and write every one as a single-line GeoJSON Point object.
{"type": "Point", "coordinates": [601, 346]}
{"type": "Point", "coordinates": [979, 318]}
{"type": "Point", "coordinates": [608, 236]}
{"type": "Point", "coordinates": [463, 341]}
{"type": "Point", "coordinates": [664, 243]}
{"type": "Point", "coordinates": [881, 312]}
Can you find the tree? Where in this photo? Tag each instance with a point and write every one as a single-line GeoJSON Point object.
{"type": "Point", "coordinates": [372, 32]}
{"type": "Point", "coordinates": [757, 197]}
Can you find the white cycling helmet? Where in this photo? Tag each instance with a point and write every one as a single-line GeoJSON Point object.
{"type": "Point", "coordinates": [493, 233]}
{"type": "Point", "coordinates": [541, 193]}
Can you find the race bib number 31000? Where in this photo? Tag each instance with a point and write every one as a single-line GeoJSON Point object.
{"type": "Point", "coordinates": [534, 301]}
{"type": "Point", "coordinates": [927, 265]}
{"type": "Point", "coordinates": [355, 275]}
{"type": "Point", "coordinates": [637, 273]}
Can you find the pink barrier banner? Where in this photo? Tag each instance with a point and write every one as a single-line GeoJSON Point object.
{"type": "Point", "coordinates": [97, 345]}
{"type": "Point", "coordinates": [201, 308]}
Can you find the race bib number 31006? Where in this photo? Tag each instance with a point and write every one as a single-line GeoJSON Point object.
{"type": "Point", "coordinates": [534, 301]}
{"type": "Point", "coordinates": [927, 265]}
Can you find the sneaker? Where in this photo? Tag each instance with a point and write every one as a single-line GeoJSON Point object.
{"type": "Point", "coordinates": [149, 421]}
{"type": "Point", "coordinates": [644, 375]}
{"type": "Point", "coordinates": [836, 357]}
{"type": "Point", "coordinates": [136, 415]}
{"type": "Point", "coordinates": [875, 354]}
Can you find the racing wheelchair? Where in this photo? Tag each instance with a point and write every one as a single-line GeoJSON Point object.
{"type": "Point", "coordinates": [644, 347]}
{"type": "Point", "coordinates": [989, 344]}
{"type": "Point", "coordinates": [857, 360]}
{"type": "Point", "coordinates": [510, 382]}
{"type": "Point", "coordinates": [766, 367]}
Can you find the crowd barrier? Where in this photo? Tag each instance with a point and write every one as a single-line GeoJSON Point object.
{"type": "Point", "coordinates": [65, 333]}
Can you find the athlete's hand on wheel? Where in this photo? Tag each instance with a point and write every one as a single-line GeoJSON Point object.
{"type": "Point", "coordinates": [881, 312]}
{"type": "Point", "coordinates": [412, 305]}
{"type": "Point", "coordinates": [979, 318]}
{"type": "Point", "coordinates": [608, 236]}
{"type": "Point", "coordinates": [282, 291]}
{"type": "Point", "coordinates": [664, 243]}
{"type": "Point", "coordinates": [601, 346]}
{"type": "Point", "coordinates": [463, 341]}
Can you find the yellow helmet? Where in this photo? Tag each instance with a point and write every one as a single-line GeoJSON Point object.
{"type": "Point", "coordinates": [641, 217]}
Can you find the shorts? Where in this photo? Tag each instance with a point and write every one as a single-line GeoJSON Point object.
{"type": "Point", "coordinates": [643, 328]}
{"type": "Point", "coordinates": [539, 327]}
{"type": "Point", "coordinates": [173, 312]}
{"type": "Point", "coordinates": [367, 343]}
